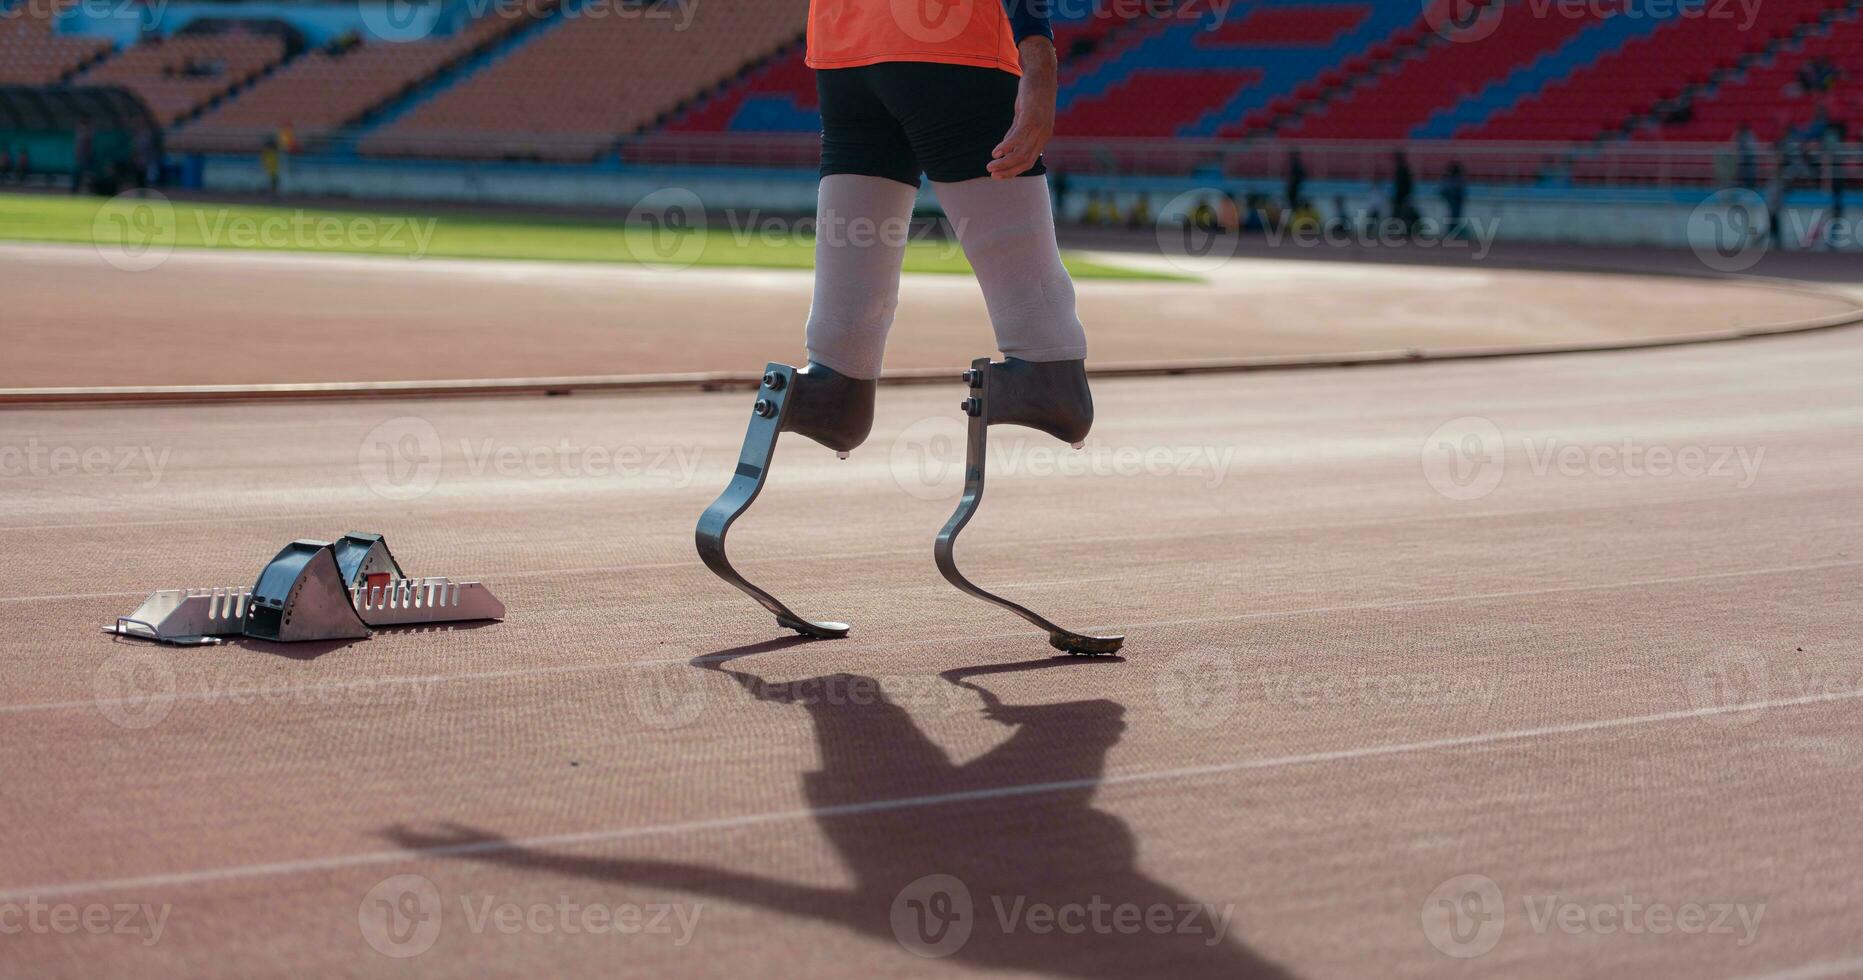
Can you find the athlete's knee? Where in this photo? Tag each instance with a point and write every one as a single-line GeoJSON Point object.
{"type": "Point", "coordinates": [854, 312]}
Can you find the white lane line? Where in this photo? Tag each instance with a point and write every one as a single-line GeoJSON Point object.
{"type": "Point", "coordinates": [227, 519]}
{"type": "Point", "coordinates": [280, 692]}
{"type": "Point", "coordinates": [338, 862]}
{"type": "Point", "coordinates": [72, 595]}
{"type": "Point", "coordinates": [1816, 971]}
{"type": "Point", "coordinates": [1513, 594]}
{"type": "Point", "coordinates": [1000, 545]}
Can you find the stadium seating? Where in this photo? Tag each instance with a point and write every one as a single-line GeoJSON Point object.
{"type": "Point", "coordinates": [572, 83]}
{"type": "Point", "coordinates": [1768, 97]}
{"type": "Point", "coordinates": [583, 81]}
{"type": "Point", "coordinates": [323, 90]}
{"type": "Point", "coordinates": [1688, 49]}
{"type": "Point", "coordinates": [30, 54]}
{"type": "Point", "coordinates": [1441, 74]}
{"type": "Point", "coordinates": [1126, 69]}
{"type": "Point", "coordinates": [178, 75]}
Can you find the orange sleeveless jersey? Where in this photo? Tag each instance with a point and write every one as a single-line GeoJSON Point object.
{"type": "Point", "coordinates": [851, 33]}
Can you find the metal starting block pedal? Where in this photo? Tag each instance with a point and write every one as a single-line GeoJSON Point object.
{"type": "Point", "coordinates": [313, 590]}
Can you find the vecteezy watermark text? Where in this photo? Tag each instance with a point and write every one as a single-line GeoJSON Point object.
{"type": "Point", "coordinates": [403, 457]}
{"type": "Point", "coordinates": [37, 917]}
{"type": "Point", "coordinates": [936, 916]}
{"type": "Point", "coordinates": [39, 459]}
{"type": "Point", "coordinates": [1466, 459]}
{"type": "Point", "coordinates": [1468, 915]}
{"type": "Point", "coordinates": [138, 690]}
{"type": "Point", "coordinates": [404, 916]}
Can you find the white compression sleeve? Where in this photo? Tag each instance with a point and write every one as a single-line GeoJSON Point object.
{"type": "Point", "coordinates": [1007, 230]}
{"type": "Point", "coordinates": [861, 228]}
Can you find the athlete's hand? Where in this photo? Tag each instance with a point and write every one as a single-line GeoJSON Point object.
{"type": "Point", "coordinates": [1034, 125]}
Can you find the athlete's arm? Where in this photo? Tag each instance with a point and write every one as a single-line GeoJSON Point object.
{"type": "Point", "coordinates": [1034, 124]}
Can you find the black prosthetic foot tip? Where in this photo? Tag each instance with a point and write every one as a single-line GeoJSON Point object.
{"type": "Point", "coordinates": [814, 630]}
{"type": "Point", "coordinates": [1082, 645]}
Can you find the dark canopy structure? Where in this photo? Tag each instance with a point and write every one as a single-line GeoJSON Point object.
{"type": "Point", "coordinates": [59, 108]}
{"type": "Point", "coordinates": [39, 125]}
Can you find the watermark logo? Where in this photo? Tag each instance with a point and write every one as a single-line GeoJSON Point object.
{"type": "Point", "coordinates": [83, 11]}
{"type": "Point", "coordinates": [398, 21]}
{"type": "Point", "coordinates": [300, 230]}
{"type": "Point", "coordinates": [37, 917]}
{"type": "Point", "coordinates": [1465, 916]}
{"type": "Point", "coordinates": [403, 459]}
{"type": "Point", "coordinates": [135, 690]}
{"type": "Point", "coordinates": [401, 916]}
{"type": "Point", "coordinates": [1726, 680]}
{"type": "Point", "coordinates": [668, 695]}
{"type": "Point", "coordinates": [40, 459]}
{"type": "Point", "coordinates": [135, 231]}
{"type": "Point", "coordinates": [927, 458]}
{"type": "Point", "coordinates": [1465, 458]}
{"type": "Point", "coordinates": [400, 458]}
{"type": "Point", "coordinates": [1185, 244]}
{"type": "Point", "coordinates": [933, 916]}
{"type": "Point", "coordinates": [933, 21]}
{"type": "Point", "coordinates": [1464, 21]}
{"type": "Point", "coordinates": [1474, 235]}
{"type": "Point", "coordinates": [936, 916]}
{"type": "Point", "coordinates": [1200, 689]}
{"type": "Point", "coordinates": [1730, 231]}
{"type": "Point", "coordinates": [666, 229]}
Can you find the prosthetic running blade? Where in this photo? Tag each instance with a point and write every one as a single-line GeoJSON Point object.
{"type": "Point", "coordinates": [753, 468]}
{"type": "Point", "coordinates": [975, 451]}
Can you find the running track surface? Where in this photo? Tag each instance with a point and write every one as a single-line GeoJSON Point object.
{"type": "Point", "coordinates": [1571, 691]}
{"type": "Point", "coordinates": [206, 317]}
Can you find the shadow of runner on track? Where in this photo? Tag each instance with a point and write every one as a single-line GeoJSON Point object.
{"type": "Point", "coordinates": [1003, 863]}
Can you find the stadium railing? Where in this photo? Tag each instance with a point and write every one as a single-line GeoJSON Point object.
{"type": "Point", "coordinates": [1627, 164]}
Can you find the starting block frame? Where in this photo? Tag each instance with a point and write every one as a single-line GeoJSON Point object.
{"type": "Point", "coordinates": [312, 590]}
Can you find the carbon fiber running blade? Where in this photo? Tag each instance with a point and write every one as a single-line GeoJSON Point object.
{"type": "Point", "coordinates": [753, 468]}
{"type": "Point", "coordinates": [976, 448]}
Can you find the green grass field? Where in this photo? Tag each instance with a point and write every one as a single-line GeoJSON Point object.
{"type": "Point", "coordinates": [131, 224]}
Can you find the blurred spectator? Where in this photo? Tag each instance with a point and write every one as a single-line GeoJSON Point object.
{"type": "Point", "coordinates": [1228, 215]}
{"type": "Point", "coordinates": [1746, 158]}
{"type": "Point", "coordinates": [1255, 212]}
{"type": "Point", "coordinates": [1454, 190]}
{"type": "Point", "coordinates": [1836, 140]}
{"type": "Point", "coordinates": [1059, 185]}
{"type": "Point", "coordinates": [1403, 191]}
{"type": "Point", "coordinates": [1203, 216]}
{"type": "Point", "coordinates": [148, 160]}
{"type": "Point", "coordinates": [1140, 215]}
{"type": "Point", "coordinates": [1096, 210]}
{"type": "Point", "coordinates": [1819, 75]}
{"type": "Point", "coordinates": [1302, 217]}
{"type": "Point", "coordinates": [6, 163]}
{"type": "Point", "coordinates": [268, 159]}
{"type": "Point", "coordinates": [1342, 219]}
{"type": "Point", "coordinates": [1296, 177]}
{"type": "Point", "coordinates": [81, 140]}
{"type": "Point", "coordinates": [1553, 173]}
{"type": "Point", "coordinates": [1789, 167]}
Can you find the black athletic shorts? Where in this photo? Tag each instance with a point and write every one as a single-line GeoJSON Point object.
{"type": "Point", "coordinates": [898, 119]}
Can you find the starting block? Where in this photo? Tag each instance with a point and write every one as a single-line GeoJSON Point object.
{"type": "Point", "coordinates": [312, 590]}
